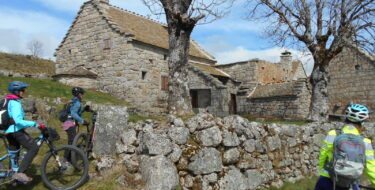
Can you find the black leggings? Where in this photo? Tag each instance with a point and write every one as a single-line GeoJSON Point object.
{"type": "Point", "coordinates": [22, 138]}
{"type": "Point", "coordinates": [71, 132]}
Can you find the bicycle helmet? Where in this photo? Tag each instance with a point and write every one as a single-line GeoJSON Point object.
{"type": "Point", "coordinates": [357, 113]}
{"type": "Point", "coordinates": [16, 86]}
{"type": "Point", "coordinates": [77, 90]}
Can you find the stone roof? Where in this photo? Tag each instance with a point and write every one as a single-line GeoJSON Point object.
{"type": "Point", "coordinates": [211, 70]}
{"type": "Point", "coordinates": [277, 89]}
{"type": "Point", "coordinates": [139, 28]}
{"type": "Point", "coordinates": [361, 51]}
{"type": "Point", "coordinates": [208, 77]}
{"type": "Point", "coordinates": [78, 71]}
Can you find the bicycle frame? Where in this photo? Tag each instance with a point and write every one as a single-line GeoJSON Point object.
{"type": "Point", "coordinates": [11, 170]}
{"type": "Point", "coordinates": [91, 131]}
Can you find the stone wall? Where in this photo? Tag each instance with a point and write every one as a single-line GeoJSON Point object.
{"type": "Point", "coordinates": [352, 79]}
{"type": "Point", "coordinates": [220, 93]}
{"type": "Point", "coordinates": [87, 83]}
{"type": "Point", "coordinates": [292, 107]}
{"type": "Point", "coordinates": [212, 153]}
{"type": "Point", "coordinates": [8, 73]}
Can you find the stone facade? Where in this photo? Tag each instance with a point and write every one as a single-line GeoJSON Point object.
{"type": "Point", "coordinates": [352, 79]}
{"type": "Point", "coordinates": [288, 100]}
{"type": "Point", "coordinates": [271, 89]}
{"type": "Point", "coordinates": [129, 63]}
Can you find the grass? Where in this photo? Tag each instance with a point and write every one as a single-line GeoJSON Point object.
{"type": "Point", "coordinates": [304, 184]}
{"type": "Point", "coordinates": [136, 117]}
{"type": "Point", "coordinates": [26, 64]}
{"type": "Point", "coordinates": [44, 88]}
{"type": "Point", "coordinates": [275, 120]}
{"type": "Point", "coordinates": [41, 88]}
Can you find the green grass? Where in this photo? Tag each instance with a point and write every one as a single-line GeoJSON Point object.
{"type": "Point", "coordinates": [26, 64]}
{"type": "Point", "coordinates": [304, 184]}
{"type": "Point", "coordinates": [136, 117]}
{"type": "Point", "coordinates": [41, 88]}
{"type": "Point", "coordinates": [275, 120]}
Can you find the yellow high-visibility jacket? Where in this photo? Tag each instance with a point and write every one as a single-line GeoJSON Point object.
{"type": "Point", "coordinates": [326, 152]}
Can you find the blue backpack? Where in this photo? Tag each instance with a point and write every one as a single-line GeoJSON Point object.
{"type": "Point", "coordinates": [349, 159]}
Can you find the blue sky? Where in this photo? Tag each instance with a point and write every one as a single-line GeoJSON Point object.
{"type": "Point", "coordinates": [230, 39]}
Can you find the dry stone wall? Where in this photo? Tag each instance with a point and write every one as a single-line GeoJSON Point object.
{"type": "Point", "coordinates": [220, 153]}
{"type": "Point", "coordinates": [9, 73]}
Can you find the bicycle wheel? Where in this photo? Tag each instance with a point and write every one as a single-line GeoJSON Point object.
{"type": "Point", "coordinates": [81, 141]}
{"type": "Point", "coordinates": [58, 173]}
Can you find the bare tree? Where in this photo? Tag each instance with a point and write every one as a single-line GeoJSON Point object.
{"type": "Point", "coordinates": [323, 27]}
{"type": "Point", "coordinates": [182, 16]}
{"type": "Point", "coordinates": [35, 47]}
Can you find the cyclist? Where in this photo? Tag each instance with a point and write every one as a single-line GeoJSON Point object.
{"type": "Point", "coordinates": [75, 116]}
{"type": "Point", "coordinates": [355, 115]}
{"type": "Point", "coordinates": [16, 134]}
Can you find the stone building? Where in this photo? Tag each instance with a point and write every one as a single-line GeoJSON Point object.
{"type": "Point", "coordinates": [352, 79]}
{"type": "Point", "coordinates": [271, 89]}
{"type": "Point", "coordinates": [126, 54]}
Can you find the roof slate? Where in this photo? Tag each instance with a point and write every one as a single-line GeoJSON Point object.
{"type": "Point", "coordinates": [78, 71]}
{"type": "Point", "coordinates": [276, 90]}
{"type": "Point", "coordinates": [211, 70]}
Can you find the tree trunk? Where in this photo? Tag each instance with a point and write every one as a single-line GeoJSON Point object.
{"type": "Point", "coordinates": [319, 100]}
{"type": "Point", "coordinates": [179, 96]}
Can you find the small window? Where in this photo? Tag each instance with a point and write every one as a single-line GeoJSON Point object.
{"type": "Point", "coordinates": [107, 44]}
{"type": "Point", "coordinates": [165, 57]}
{"type": "Point", "coordinates": [262, 68]}
{"type": "Point", "coordinates": [144, 75]}
{"type": "Point", "coordinates": [164, 83]}
{"type": "Point", "coordinates": [151, 61]}
{"type": "Point", "coordinates": [357, 67]}
{"type": "Point", "coordinates": [70, 51]}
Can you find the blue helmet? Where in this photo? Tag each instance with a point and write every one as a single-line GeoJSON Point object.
{"type": "Point", "coordinates": [16, 86]}
{"type": "Point", "coordinates": [357, 113]}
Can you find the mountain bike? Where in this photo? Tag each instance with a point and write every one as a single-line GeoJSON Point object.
{"type": "Point", "coordinates": [84, 140]}
{"type": "Point", "coordinates": [56, 172]}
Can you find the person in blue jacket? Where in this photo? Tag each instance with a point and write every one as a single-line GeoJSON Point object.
{"type": "Point", "coordinates": [16, 134]}
{"type": "Point", "coordinates": [75, 116]}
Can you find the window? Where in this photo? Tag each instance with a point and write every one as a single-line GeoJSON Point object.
{"type": "Point", "coordinates": [357, 67]}
{"type": "Point", "coordinates": [165, 57]}
{"type": "Point", "coordinates": [164, 83]}
{"type": "Point", "coordinates": [144, 75]}
{"type": "Point", "coordinates": [107, 44]}
{"type": "Point", "coordinates": [70, 51]}
{"type": "Point", "coordinates": [151, 61]}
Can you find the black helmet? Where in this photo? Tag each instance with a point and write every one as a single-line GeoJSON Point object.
{"type": "Point", "coordinates": [77, 90]}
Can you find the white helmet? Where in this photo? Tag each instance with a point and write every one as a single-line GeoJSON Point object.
{"type": "Point", "coordinates": [357, 113]}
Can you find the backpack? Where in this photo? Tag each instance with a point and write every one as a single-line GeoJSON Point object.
{"type": "Point", "coordinates": [5, 119]}
{"type": "Point", "coordinates": [65, 112]}
{"type": "Point", "coordinates": [348, 159]}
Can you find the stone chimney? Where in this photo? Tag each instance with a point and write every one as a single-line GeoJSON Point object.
{"type": "Point", "coordinates": [286, 57]}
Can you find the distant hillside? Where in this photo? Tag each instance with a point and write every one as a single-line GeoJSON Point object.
{"type": "Point", "coordinates": [26, 64]}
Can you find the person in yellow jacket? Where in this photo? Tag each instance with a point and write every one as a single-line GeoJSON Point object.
{"type": "Point", "coordinates": [355, 115]}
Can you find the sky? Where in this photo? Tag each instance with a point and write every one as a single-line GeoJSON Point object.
{"type": "Point", "coordinates": [230, 39]}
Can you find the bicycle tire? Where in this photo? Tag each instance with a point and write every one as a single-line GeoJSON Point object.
{"type": "Point", "coordinates": [82, 178]}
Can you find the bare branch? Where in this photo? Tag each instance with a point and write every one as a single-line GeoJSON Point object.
{"type": "Point", "coordinates": [35, 47]}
